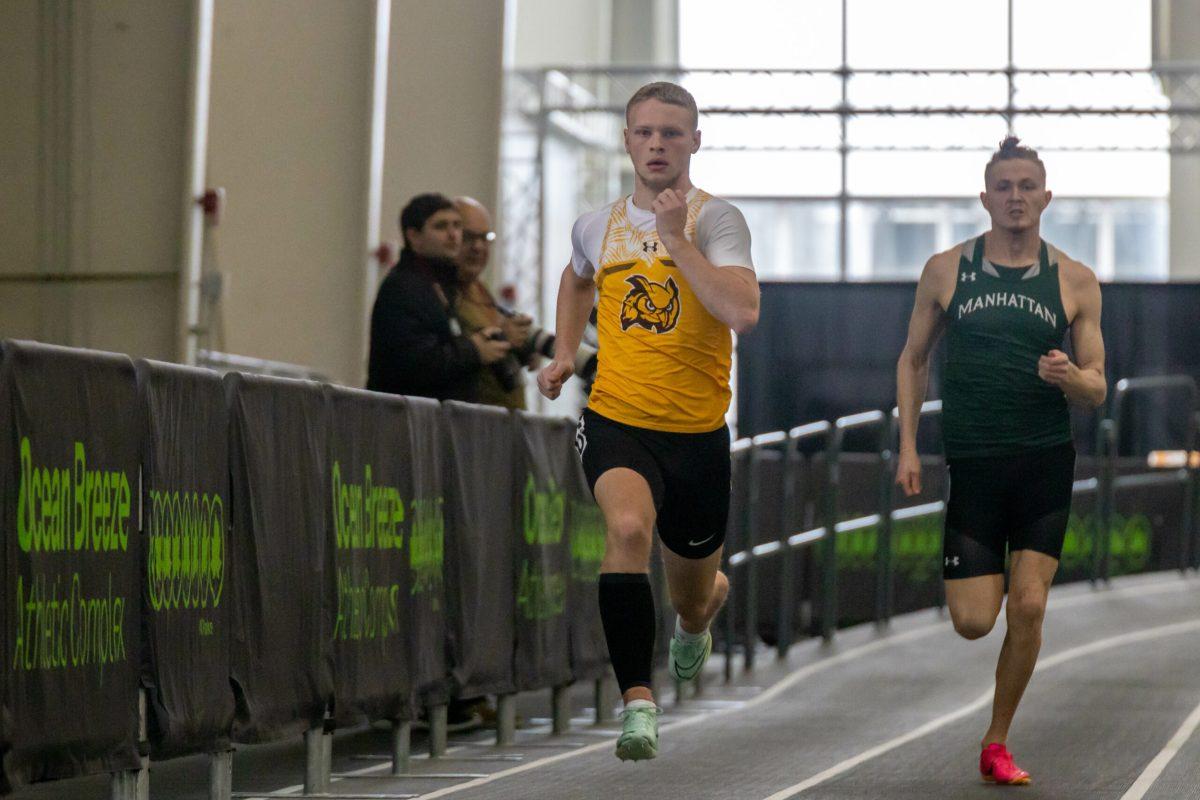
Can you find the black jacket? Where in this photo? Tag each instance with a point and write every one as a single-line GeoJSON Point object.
{"type": "Point", "coordinates": [413, 350]}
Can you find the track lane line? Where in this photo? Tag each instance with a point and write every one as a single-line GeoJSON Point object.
{"type": "Point", "coordinates": [982, 701]}
{"type": "Point", "coordinates": [1171, 583]}
{"type": "Point", "coordinates": [1156, 766]}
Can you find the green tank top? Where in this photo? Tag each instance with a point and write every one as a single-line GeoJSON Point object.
{"type": "Point", "coordinates": [1001, 321]}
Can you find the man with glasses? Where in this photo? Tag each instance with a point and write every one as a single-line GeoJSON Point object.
{"type": "Point", "coordinates": [476, 309]}
{"type": "Point", "coordinates": [417, 347]}
{"type": "Point", "coordinates": [501, 384]}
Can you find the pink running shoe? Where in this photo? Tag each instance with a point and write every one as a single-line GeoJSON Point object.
{"type": "Point", "coordinates": [996, 765]}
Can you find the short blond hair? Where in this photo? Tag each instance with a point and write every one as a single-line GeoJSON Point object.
{"type": "Point", "coordinates": [1011, 148]}
{"type": "Point", "coordinates": [665, 92]}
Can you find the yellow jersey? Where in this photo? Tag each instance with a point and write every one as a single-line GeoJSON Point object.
{"type": "Point", "coordinates": [664, 359]}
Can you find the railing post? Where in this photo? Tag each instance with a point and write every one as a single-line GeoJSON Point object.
{"type": "Point", "coordinates": [316, 778]}
{"type": "Point", "coordinates": [884, 562]}
{"type": "Point", "coordinates": [401, 746]}
{"type": "Point", "coordinates": [560, 714]}
{"type": "Point", "coordinates": [829, 542]}
{"type": "Point", "coordinates": [1111, 445]}
{"type": "Point", "coordinates": [437, 730]}
{"type": "Point", "coordinates": [220, 775]}
{"type": "Point", "coordinates": [1101, 522]}
{"type": "Point", "coordinates": [134, 784]}
{"type": "Point", "coordinates": [731, 543]}
{"type": "Point", "coordinates": [602, 693]}
{"type": "Point", "coordinates": [1191, 498]}
{"type": "Point", "coordinates": [506, 720]}
{"type": "Point", "coordinates": [787, 561]}
{"type": "Point", "coordinates": [758, 445]}
{"type": "Point", "coordinates": [751, 571]}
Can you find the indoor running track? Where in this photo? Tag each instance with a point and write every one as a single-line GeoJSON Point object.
{"type": "Point", "coordinates": [1109, 715]}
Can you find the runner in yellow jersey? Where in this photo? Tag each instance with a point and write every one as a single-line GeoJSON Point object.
{"type": "Point", "coordinates": [672, 271]}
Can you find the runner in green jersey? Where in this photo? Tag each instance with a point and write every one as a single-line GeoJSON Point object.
{"type": "Point", "coordinates": [1006, 301]}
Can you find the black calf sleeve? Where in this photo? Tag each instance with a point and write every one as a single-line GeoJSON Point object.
{"type": "Point", "coordinates": [627, 611]}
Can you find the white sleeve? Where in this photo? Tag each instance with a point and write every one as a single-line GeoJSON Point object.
{"type": "Point", "coordinates": [725, 239]}
{"type": "Point", "coordinates": [580, 262]}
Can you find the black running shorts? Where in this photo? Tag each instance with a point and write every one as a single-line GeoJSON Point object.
{"type": "Point", "coordinates": [688, 473]}
{"type": "Point", "coordinates": [1018, 502]}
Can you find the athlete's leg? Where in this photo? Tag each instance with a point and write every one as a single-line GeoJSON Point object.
{"type": "Point", "coordinates": [1031, 575]}
{"type": "Point", "coordinates": [1041, 508]}
{"type": "Point", "coordinates": [697, 587]}
{"type": "Point", "coordinates": [974, 604]}
{"type": "Point", "coordinates": [626, 600]}
{"type": "Point", "coordinates": [627, 504]}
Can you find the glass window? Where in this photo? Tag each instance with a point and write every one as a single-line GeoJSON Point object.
{"type": "Point", "coordinates": [921, 34]}
{"type": "Point", "coordinates": [762, 34]}
{"type": "Point", "coordinates": [792, 239]}
{"type": "Point", "coordinates": [1072, 34]}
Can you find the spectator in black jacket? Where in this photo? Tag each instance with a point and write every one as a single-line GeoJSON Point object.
{"type": "Point", "coordinates": [417, 348]}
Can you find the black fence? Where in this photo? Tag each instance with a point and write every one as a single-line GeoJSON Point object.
{"type": "Point", "coordinates": [263, 557]}
{"type": "Point", "coordinates": [819, 540]}
{"type": "Point", "coordinates": [196, 561]}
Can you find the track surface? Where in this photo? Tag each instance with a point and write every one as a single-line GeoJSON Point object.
{"type": "Point", "coordinates": [895, 715]}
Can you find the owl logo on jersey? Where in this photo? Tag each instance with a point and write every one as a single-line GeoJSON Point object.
{"type": "Point", "coordinates": [650, 305]}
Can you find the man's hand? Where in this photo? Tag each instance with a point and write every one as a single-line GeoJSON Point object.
{"type": "Point", "coordinates": [516, 329]}
{"type": "Point", "coordinates": [1055, 368]}
{"type": "Point", "coordinates": [490, 348]}
{"type": "Point", "coordinates": [553, 376]}
{"type": "Point", "coordinates": [908, 472]}
{"type": "Point", "coordinates": [670, 215]}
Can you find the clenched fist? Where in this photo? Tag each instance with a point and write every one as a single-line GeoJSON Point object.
{"type": "Point", "coordinates": [553, 376]}
{"type": "Point", "coordinates": [1055, 368]}
{"type": "Point", "coordinates": [670, 215]}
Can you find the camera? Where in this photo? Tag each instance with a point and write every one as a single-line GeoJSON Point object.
{"type": "Point", "coordinates": [541, 341]}
{"type": "Point", "coordinates": [508, 369]}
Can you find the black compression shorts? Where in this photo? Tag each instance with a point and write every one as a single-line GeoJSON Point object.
{"type": "Point", "coordinates": [688, 474]}
{"type": "Point", "coordinates": [1018, 502]}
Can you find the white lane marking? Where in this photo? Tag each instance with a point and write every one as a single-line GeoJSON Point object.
{"type": "Point", "coordinates": [1160, 761]}
{"type": "Point", "coordinates": [1171, 584]}
{"type": "Point", "coordinates": [387, 765]}
{"type": "Point", "coordinates": [758, 699]}
{"type": "Point", "coordinates": [981, 701]}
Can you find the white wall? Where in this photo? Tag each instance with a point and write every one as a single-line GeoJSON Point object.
{"type": "Point", "coordinates": [93, 162]}
{"type": "Point", "coordinates": [562, 32]}
{"type": "Point", "coordinates": [288, 142]}
{"type": "Point", "coordinates": [92, 129]}
{"type": "Point", "coordinates": [444, 95]}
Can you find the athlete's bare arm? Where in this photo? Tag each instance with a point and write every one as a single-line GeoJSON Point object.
{"type": "Point", "coordinates": [728, 291]}
{"type": "Point", "coordinates": [1083, 381]}
{"type": "Point", "coordinates": [576, 295]}
{"type": "Point", "coordinates": [934, 292]}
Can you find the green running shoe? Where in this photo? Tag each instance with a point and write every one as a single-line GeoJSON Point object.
{"type": "Point", "coordinates": [639, 732]}
{"type": "Point", "coordinates": [687, 659]}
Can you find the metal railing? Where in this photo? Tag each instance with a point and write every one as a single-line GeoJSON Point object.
{"type": "Point", "coordinates": [746, 555]}
{"type": "Point", "coordinates": [1108, 440]}
{"type": "Point", "coordinates": [231, 362]}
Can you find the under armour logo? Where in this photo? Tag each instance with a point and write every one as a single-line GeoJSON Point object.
{"type": "Point", "coordinates": [649, 247]}
{"type": "Point", "coordinates": [967, 276]}
{"type": "Point", "coordinates": [951, 561]}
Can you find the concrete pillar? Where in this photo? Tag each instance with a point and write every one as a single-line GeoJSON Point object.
{"type": "Point", "coordinates": [1177, 42]}
{"type": "Point", "coordinates": [288, 141]}
{"type": "Point", "coordinates": [93, 126]}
